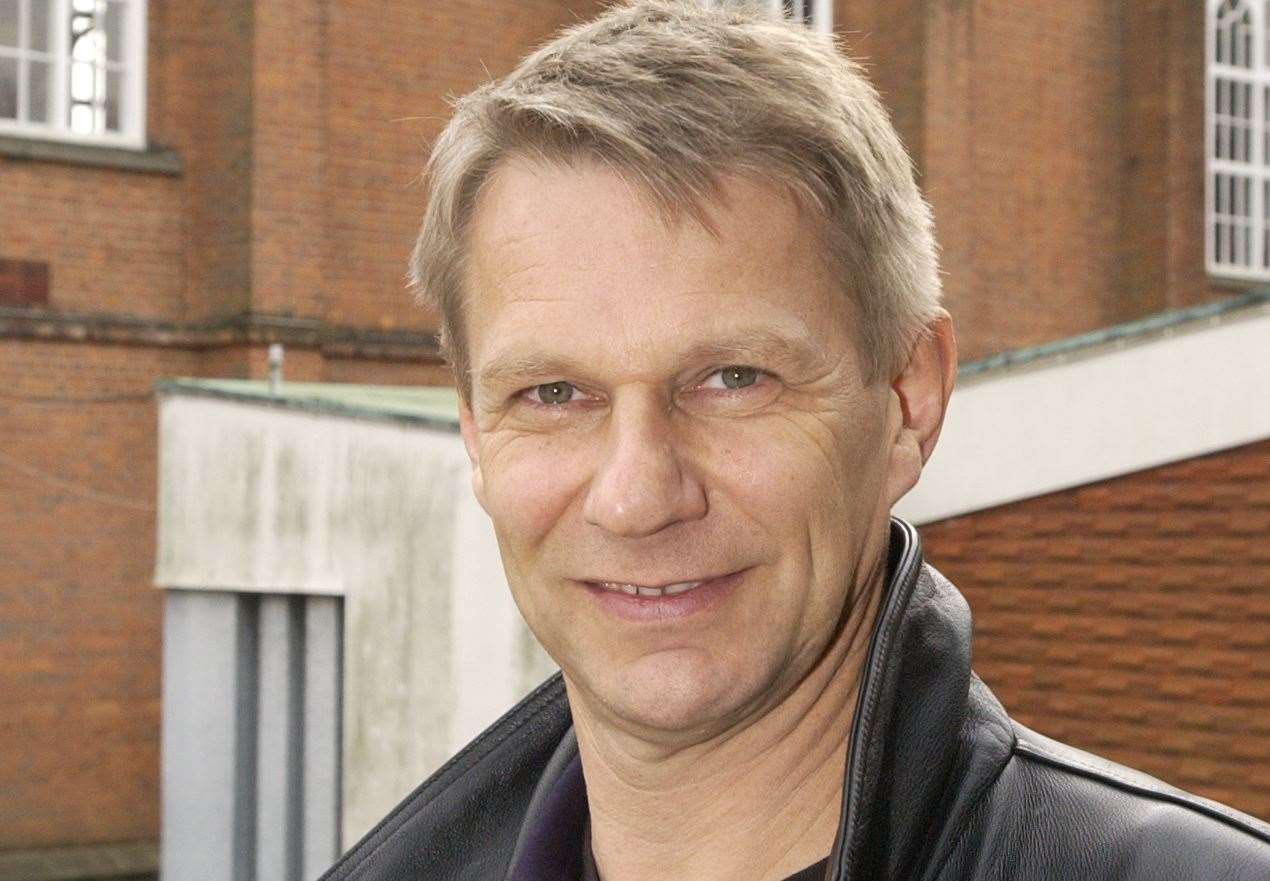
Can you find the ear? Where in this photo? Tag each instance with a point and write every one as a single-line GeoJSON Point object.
{"type": "Point", "coordinates": [467, 428]}
{"type": "Point", "coordinates": [921, 391]}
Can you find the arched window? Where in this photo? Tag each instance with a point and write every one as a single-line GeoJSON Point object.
{"type": "Point", "coordinates": [1237, 228]}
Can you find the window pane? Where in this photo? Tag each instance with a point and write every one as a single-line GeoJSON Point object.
{"type": "Point", "coordinates": [116, 18]}
{"type": "Point", "coordinates": [8, 22]}
{"type": "Point", "coordinates": [86, 39]}
{"type": "Point", "coordinates": [8, 88]}
{"type": "Point", "coordinates": [83, 83]}
{"type": "Point", "coordinates": [83, 121]}
{"type": "Point", "coordinates": [38, 77]}
{"type": "Point", "coordinates": [114, 97]}
{"type": "Point", "coordinates": [40, 11]}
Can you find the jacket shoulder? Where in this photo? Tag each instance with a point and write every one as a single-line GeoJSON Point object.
{"type": "Point", "coordinates": [481, 794]}
{"type": "Point", "coordinates": [1067, 760]}
{"type": "Point", "coordinates": [1056, 811]}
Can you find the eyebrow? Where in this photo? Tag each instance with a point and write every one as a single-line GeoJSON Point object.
{"type": "Point", "coordinates": [751, 344]}
{"type": "Point", "coordinates": [511, 369]}
{"type": "Point", "coordinates": [765, 344]}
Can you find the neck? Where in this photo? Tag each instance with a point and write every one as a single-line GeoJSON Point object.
{"type": "Point", "coordinates": [759, 803]}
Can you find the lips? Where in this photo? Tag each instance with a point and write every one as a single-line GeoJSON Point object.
{"type": "Point", "coordinates": [664, 602]}
{"type": "Point", "coordinates": [643, 591]}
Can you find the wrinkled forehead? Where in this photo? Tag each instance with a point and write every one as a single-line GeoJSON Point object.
{"type": "Point", "coordinates": [575, 259]}
{"type": "Point", "coordinates": [521, 191]}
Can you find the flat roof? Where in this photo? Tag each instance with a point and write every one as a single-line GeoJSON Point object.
{"type": "Point", "coordinates": [431, 406]}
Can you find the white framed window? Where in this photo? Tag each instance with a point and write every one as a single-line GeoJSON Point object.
{"type": "Point", "coordinates": [816, 14]}
{"type": "Point", "coordinates": [1237, 140]}
{"type": "Point", "coordinates": [73, 70]}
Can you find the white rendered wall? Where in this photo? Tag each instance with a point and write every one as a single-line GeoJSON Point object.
{"type": "Point", "coordinates": [1066, 421]}
{"type": "Point", "coordinates": [262, 499]}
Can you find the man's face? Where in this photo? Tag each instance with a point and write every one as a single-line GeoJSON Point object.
{"type": "Point", "coordinates": [652, 406]}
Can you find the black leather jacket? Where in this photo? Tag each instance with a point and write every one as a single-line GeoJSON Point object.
{"type": "Point", "coordinates": [940, 782]}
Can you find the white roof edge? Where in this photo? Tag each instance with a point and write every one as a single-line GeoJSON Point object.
{"type": "Point", "coordinates": [1095, 414]}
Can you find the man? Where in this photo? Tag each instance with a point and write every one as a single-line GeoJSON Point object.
{"type": "Point", "coordinates": [689, 288]}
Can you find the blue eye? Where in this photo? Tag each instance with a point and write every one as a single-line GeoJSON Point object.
{"type": "Point", "coordinates": [553, 393]}
{"type": "Point", "coordinates": [734, 377]}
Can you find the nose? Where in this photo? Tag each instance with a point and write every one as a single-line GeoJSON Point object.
{"type": "Point", "coordinates": [641, 484]}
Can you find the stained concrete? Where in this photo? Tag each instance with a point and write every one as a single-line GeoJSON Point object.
{"type": "Point", "coordinates": [257, 498]}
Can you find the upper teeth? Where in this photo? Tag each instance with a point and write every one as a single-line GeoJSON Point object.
{"type": "Point", "coordinates": [640, 590]}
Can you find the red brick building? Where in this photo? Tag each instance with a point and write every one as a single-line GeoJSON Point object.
{"type": "Point", "coordinates": [182, 184]}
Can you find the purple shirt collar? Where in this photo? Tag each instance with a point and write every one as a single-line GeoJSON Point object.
{"type": "Point", "coordinates": [553, 834]}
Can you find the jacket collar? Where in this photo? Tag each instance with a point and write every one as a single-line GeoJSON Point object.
{"type": "Point", "coordinates": [925, 733]}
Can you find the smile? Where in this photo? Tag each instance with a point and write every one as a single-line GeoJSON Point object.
{"type": "Point", "coordinates": [665, 602]}
{"type": "Point", "coordinates": [641, 590]}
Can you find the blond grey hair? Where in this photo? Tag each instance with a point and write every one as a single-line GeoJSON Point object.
{"type": "Point", "coordinates": [673, 94]}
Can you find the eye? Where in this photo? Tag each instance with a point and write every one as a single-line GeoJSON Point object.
{"type": "Point", "coordinates": [734, 377]}
{"type": "Point", "coordinates": [552, 393]}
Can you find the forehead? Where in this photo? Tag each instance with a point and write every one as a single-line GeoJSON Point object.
{"type": "Point", "coordinates": [576, 258]}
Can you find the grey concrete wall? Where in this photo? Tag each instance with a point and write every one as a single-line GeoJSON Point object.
{"type": "Point", "coordinates": [250, 767]}
{"type": "Point", "coordinates": [207, 824]}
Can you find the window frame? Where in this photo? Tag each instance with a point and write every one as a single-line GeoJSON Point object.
{"type": "Point", "coordinates": [132, 99]}
{"type": "Point", "coordinates": [1245, 213]}
{"type": "Point", "coordinates": [821, 12]}
{"type": "Point", "coordinates": [797, 10]}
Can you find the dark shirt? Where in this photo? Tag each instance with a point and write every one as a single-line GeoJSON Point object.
{"type": "Point", "coordinates": [814, 872]}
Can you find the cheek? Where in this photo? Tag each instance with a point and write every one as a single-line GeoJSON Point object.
{"type": "Point", "coordinates": [530, 482]}
{"type": "Point", "coordinates": [792, 469]}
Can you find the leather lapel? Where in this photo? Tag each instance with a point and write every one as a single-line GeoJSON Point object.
{"type": "Point", "coordinates": [912, 751]}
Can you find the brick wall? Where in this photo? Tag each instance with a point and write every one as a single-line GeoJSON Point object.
{"type": "Point", "coordinates": [1061, 145]}
{"type": "Point", "coordinates": [1132, 617]}
{"type": "Point", "coordinates": [1011, 109]}
{"type": "Point", "coordinates": [390, 76]}
{"type": "Point", "coordinates": [1162, 193]}
{"type": "Point", "coordinates": [200, 104]}
{"type": "Point", "coordinates": [79, 621]}
{"type": "Point", "coordinates": [112, 241]}
{"type": "Point", "coordinates": [301, 128]}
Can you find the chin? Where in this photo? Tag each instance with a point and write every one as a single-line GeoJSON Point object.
{"type": "Point", "coordinates": [677, 691]}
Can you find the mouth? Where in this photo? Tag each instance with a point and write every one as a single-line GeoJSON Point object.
{"type": "Point", "coordinates": [633, 601]}
{"type": "Point", "coordinates": [645, 591]}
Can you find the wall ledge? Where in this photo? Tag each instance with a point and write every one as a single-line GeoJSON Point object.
{"type": "Point", "coordinates": [78, 863]}
{"type": "Point", "coordinates": [151, 160]}
{"type": "Point", "coordinates": [251, 328]}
